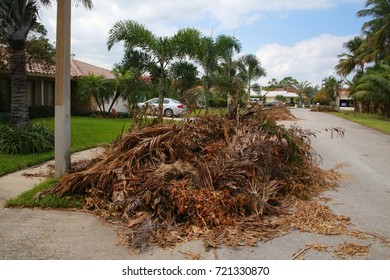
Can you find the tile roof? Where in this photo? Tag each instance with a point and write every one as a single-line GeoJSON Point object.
{"type": "Point", "coordinates": [80, 69]}
{"type": "Point", "coordinates": [77, 69]}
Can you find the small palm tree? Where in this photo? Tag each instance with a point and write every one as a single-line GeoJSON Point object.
{"type": "Point", "coordinates": [97, 87]}
{"type": "Point", "coordinates": [250, 69]}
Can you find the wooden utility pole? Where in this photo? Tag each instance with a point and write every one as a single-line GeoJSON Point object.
{"type": "Point", "coordinates": [62, 89]}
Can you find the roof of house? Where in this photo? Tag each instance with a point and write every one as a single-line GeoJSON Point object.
{"type": "Point", "coordinates": [77, 69]}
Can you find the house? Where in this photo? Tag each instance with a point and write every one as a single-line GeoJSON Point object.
{"type": "Point", "coordinates": [269, 96]}
{"type": "Point", "coordinates": [346, 101]}
{"type": "Point", "coordinates": [41, 86]}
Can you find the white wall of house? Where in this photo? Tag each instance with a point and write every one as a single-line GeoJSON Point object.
{"type": "Point", "coordinates": [120, 106]}
{"type": "Point", "coordinates": [271, 95]}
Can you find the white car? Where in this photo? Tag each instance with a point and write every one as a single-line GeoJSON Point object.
{"type": "Point", "coordinates": [171, 107]}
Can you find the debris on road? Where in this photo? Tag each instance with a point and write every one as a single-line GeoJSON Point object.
{"type": "Point", "coordinates": [220, 179]}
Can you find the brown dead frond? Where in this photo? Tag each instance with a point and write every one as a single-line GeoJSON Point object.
{"type": "Point", "coordinates": [214, 178]}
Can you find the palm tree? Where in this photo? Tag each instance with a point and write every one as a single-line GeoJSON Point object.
{"type": "Point", "coordinates": [207, 57]}
{"type": "Point", "coordinates": [332, 88]}
{"type": "Point", "coordinates": [17, 18]}
{"type": "Point", "coordinates": [303, 89]}
{"type": "Point", "coordinates": [377, 43]}
{"type": "Point", "coordinates": [374, 87]}
{"type": "Point", "coordinates": [250, 69]}
{"type": "Point", "coordinates": [226, 47]}
{"type": "Point", "coordinates": [351, 61]}
{"type": "Point", "coordinates": [98, 87]}
{"type": "Point", "coordinates": [184, 76]}
{"type": "Point", "coordinates": [161, 50]}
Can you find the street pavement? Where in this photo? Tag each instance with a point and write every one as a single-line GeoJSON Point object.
{"type": "Point", "coordinates": [364, 196]}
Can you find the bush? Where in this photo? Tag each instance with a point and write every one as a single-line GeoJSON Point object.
{"type": "Point", "coordinates": [36, 138]}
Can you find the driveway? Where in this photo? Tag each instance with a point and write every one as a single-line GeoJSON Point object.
{"type": "Point", "coordinates": [364, 197]}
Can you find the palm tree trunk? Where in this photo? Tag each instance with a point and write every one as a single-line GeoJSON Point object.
{"type": "Point", "coordinates": [19, 107]}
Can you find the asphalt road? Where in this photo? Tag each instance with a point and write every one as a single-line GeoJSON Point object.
{"type": "Point", "coordinates": [364, 197]}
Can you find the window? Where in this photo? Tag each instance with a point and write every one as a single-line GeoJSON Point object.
{"type": "Point", "coordinates": [48, 93]}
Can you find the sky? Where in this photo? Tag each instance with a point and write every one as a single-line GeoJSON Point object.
{"type": "Point", "coordinates": [291, 38]}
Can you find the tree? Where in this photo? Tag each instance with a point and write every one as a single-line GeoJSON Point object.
{"type": "Point", "coordinates": [38, 48]}
{"type": "Point", "coordinates": [97, 87]}
{"type": "Point", "coordinates": [250, 69]}
{"type": "Point", "coordinates": [332, 88]}
{"type": "Point", "coordinates": [161, 50]}
{"type": "Point", "coordinates": [184, 76]}
{"type": "Point", "coordinates": [376, 46]}
{"type": "Point", "coordinates": [17, 18]}
{"type": "Point", "coordinates": [351, 61]}
{"type": "Point", "coordinates": [288, 83]}
{"type": "Point", "coordinates": [303, 89]}
{"type": "Point", "coordinates": [374, 87]}
{"type": "Point", "coordinates": [129, 84]}
{"type": "Point", "coordinates": [207, 57]}
{"type": "Point", "coordinates": [227, 70]}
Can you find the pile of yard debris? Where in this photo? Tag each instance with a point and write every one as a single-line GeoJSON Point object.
{"type": "Point", "coordinates": [324, 108]}
{"type": "Point", "coordinates": [220, 179]}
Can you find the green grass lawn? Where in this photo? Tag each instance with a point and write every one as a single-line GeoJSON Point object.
{"type": "Point", "coordinates": [202, 112]}
{"type": "Point", "coordinates": [374, 121]}
{"type": "Point", "coordinates": [26, 199]}
{"type": "Point", "coordinates": [85, 133]}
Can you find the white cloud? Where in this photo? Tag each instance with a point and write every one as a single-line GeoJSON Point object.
{"type": "Point", "coordinates": [310, 60]}
{"type": "Point", "coordinates": [164, 17]}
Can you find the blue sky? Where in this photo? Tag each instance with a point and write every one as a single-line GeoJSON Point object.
{"type": "Point", "coordinates": [297, 38]}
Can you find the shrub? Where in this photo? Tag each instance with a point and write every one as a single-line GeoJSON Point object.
{"type": "Point", "coordinates": [36, 138]}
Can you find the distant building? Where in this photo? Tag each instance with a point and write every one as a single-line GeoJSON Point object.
{"type": "Point", "coordinates": [41, 85]}
{"type": "Point", "coordinates": [346, 101]}
{"type": "Point", "coordinates": [269, 96]}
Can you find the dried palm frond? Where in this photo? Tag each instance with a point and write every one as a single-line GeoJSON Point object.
{"type": "Point", "coordinates": [221, 176]}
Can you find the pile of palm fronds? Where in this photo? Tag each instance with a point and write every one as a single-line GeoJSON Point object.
{"type": "Point", "coordinates": [215, 177]}
{"type": "Point", "coordinates": [324, 108]}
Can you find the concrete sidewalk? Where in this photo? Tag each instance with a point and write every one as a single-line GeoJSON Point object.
{"type": "Point", "coordinates": [11, 185]}
{"type": "Point", "coordinates": [64, 235]}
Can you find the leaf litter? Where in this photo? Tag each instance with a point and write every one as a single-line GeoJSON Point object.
{"type": "Point", "coordinates": [235, 181]}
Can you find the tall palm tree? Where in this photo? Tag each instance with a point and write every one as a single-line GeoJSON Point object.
{"type": "Point", "coordinates": [17, 18]}
{"type": "Point", "coordinates": [207, 57]}
{"type": "Point", "coordinates": [161, 50]}
{"type": "Point", "coordinates": [250, 69]}
{"type": "Point", "coordinates": [226, 47]}
{"type": "Point", "coordinates": [351, 61]}
{"type": "Point", "coordinates": [377, 29]}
